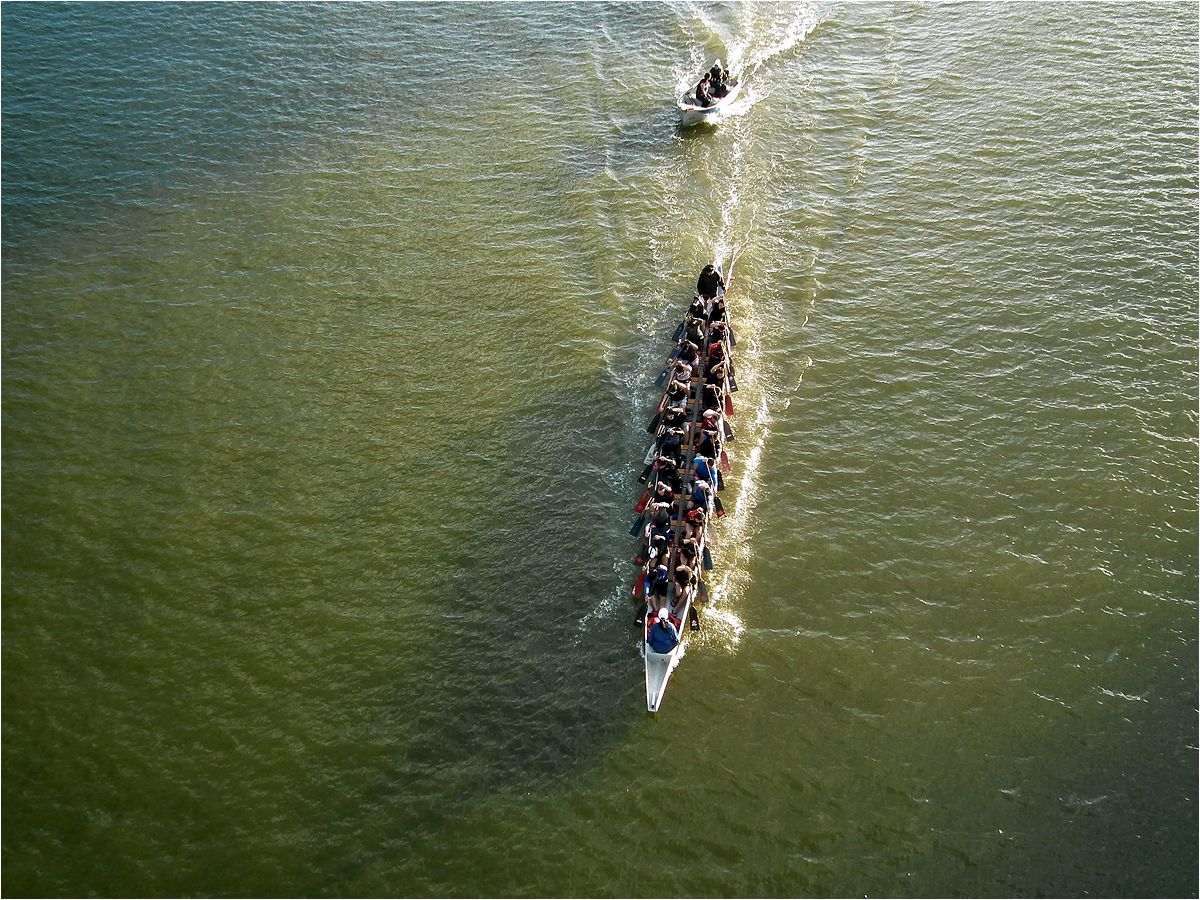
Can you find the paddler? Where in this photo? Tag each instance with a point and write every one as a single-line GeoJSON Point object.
{"type": "Point", "coordinates": [663, 491]}
{"type": "Point", "coordinates": [663, 635]}
{"type": "Point", "coordinates": [660, 512]}
{"type": "Point", "coordinates": [689, 352]}
{"type": "Point", "coordinates": [675, 416]}
{"type": "Point", "coordinates": [660, 577]}
{"type": "Point", "coordinates": [715, 373]}
{"type": "Point", "coordinates": [714, 397]}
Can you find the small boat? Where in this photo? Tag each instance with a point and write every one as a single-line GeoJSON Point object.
{"type": "Point", "coordinates": [659, 666]}
{"type": "Point", "coordinates": [694, 111]}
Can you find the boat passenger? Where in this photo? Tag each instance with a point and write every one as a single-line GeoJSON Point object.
{"type": "Point", "coordinates": [684, 575]}
{"type": "Point", "coordinates": [689, 352]}
{"type": "Point", "coordinates": [718, 78]}
{"type": "Point", "coordinates": [660, 512]}
{"type": "Point", "coordinates": [659, 578]}
{"type": "Point", "coordinates": [658, 550]}
{"type": "Point", "coordinates": [655, 531]}
{"type": "Point", "coordinates": [715, 374]}
{"type": "Point", "coordinates": [672, 441]}
{"type": "Point", "coordinates": [703, 468]}
{"type": "Point", "coordinates": [668, 471]}
{"type": "Point", "coordinates": [709, 282]}
{"type": "Point", "coordinates": [663, 635]}
{"type": "Point", "coordinates": [701, 491]}
{"type": "Point", "coordinates": [694, 522]}
{"type": "Point", "coordinates": [716, 312]}
{"type": "Point", "coordinates": [707, 445]}
{"type": "Point", "coordinates": [689, 551]}
{"type": "Point", "coordinates": [704, 95]}
{"type": "Point", "coordinates": [663, 491]}
{"type": "Point", "coordinates": [698, 309]}
{"type": "Point", "coordinates": [714, 397]}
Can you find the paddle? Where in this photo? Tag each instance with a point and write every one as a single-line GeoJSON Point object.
{"type": "Point", "coordinates": [653, 426]}
{"type": "Point", "coordinates": [724, 463]}
{"type": "Point", "coordinates": [662, 376]}
{"type": "Point", "coordinates": [637, 524]}
{"type": "Point", "coordinates": [708, 563]}
{"type": "Point", "coordinates": [720, 481]}
{"type": "Point", "coordinates": [641, 504]}
{"type": "Point", "coordinates": [728, 405]}
{"type": "Point", "coordinates": [719, 505]}
{"type": "Point", "coordinates": [693, 618]}
{"type": "Point", "coordinates": [638, 589]}
{"type": "Point", "coordinates": [728, 430]}
{"type": "Point", "coordinates": [646, 472]}
{"type": "Point", "coordinates": [702, 592]}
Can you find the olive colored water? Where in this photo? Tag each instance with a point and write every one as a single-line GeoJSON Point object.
{"type": "Point", "coordinates": [329, 333]}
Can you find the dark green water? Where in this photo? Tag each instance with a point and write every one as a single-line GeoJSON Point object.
{"type": "Point", "coordinates": [329, 333]}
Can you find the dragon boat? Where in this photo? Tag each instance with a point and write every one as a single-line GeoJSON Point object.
{"type": "Point", "coordinates": [684, 473]}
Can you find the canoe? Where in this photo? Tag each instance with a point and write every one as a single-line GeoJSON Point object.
{"type": "Point", "coordinates": [659, 666]}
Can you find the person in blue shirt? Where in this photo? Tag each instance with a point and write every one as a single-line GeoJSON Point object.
{"type": "Point", "coordinates": [663, 635]}
{"type": "Point", "coordinates": [703, 472]}
{"type": "Point", "coordinates": [660, 578]}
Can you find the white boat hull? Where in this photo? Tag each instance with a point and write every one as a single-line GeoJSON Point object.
{"type": "Point", "coordinates": [659, 666]}
{"type": "Point", "coordinates": [694, 113]}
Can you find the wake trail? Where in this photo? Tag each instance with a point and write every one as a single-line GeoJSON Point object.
{"type": "Point", "coordinates": [751, 37]}
{"type": "Point", "coordinates": [780, 38]}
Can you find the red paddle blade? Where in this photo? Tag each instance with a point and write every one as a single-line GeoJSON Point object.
{"type": "Point", "coordinates": [724, 462]}
{"type": "Point", "coordinates": [641, 504]}
{"type": "Point", "coordinates": [728, 405]}
{"type": "Point", "coordinates": [639, 587]}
